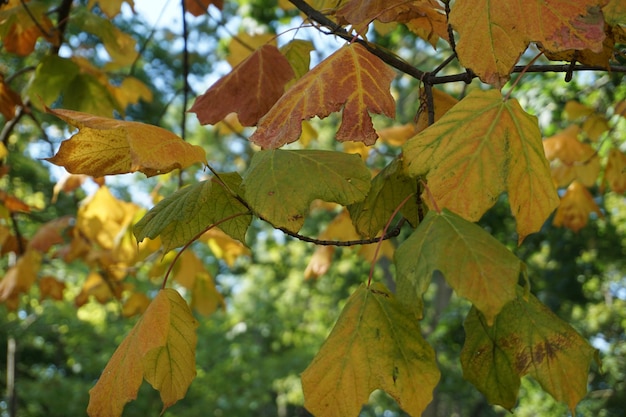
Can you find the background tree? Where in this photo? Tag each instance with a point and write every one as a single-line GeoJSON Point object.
{"type": "Point", "coordinates": [267, 322]}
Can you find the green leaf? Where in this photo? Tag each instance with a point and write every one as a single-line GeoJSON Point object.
{"type": "Point", "coordinates": [473, 262]}
{"type": "Point", "coordinates": [389, 188]}
{"type": "Point", "coordinates": [525, 338]}
{"type": "Point", "coordinates": [281, 184]}
{"type": "Point", "coordinates": [376, 344]}
{"type": "Point", "coordinates": [182, 215]}
{"type": "Point", "coordinates": [298, 53]}
{"type": "Point", "coordinates": [52, 76]}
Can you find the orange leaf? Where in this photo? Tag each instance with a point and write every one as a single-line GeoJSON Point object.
{"type": "Point", "coordinates": [615, 173]}
{"type": "Point", "coordinates": [13, 204]}
{"type": "Point", "coordinates": [50, 234]}
{"type": "Point", "coordinates": [21, 276]}
{"type": "Point", "coordinates": [161, 348]}
{"type": "Point", "coordinates": [575, 207]}
{"type": "Point", "coordinates": [250, 89]}
{"type": "Point", "coordinates": [493, 35]}
{"type": "Point", "coordinates": [199, 7]}
{"type": "Point", "coordinates": [22, 27]}
{"type": "Point", "coordinates": [106, 146]}
{"type": "Point", "coordinates": [9, 100]}
{"type": "Point", "coordinates": [50, 287]}
{"type": "Point", "coordinates": [351, 79]}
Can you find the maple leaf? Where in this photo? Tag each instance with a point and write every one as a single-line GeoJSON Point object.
{"type": "Point", "coordinates": [375, 344]}
{"type": "Point", "coordinates": [244, 44]}
{"type": "Point", "coordinates": [491, 145]}
{"type": "Point", "coordinates": [280, 185]}
{"type": "Point", "coordinates": [361, 87]}
{"type": "Point", "coordinates": [473, 262]}
{"type": "Point", "coordinates": [526, 338]}
{"type": "Point", "coordinates": [576, 205]}
{"type": "Point", "coordinates": [106, 146]}
{"type": "Point", "coordinates": [160, 348]}
{"type": "Point", "coordinates": [249, 90]}
{"type": "Point", "coordinates": [181, 216]}
{"type": "Point", "coordinates": [493, 35]}
{"type": "Point", "coordinates": [199, 7]}
{"type": "Point", "coordinates": [389, 188]}
{"type": "Point", "coordinates": [615, 173]}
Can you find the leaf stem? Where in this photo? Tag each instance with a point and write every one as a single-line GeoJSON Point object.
{"type": "Point", "coordinates": [430, 196]}
{"type": "Point", "coordinates": [380, 240]}
{"type": "Point", "coordinates": [532, 61]}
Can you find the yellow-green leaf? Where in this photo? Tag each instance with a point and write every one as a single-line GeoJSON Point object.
{"type": "Point", "coordinates": [179, 217]}
{"type": "Point", "coordinates": [106, 146]}
{"type": "Point", "coordinates": [376, 344]}
{"type": "Point", "coordinates": [526, 338]}
{"type": "Point", "coordinates": [280, 185]}
{"type": "Point", "coordinates": [171, 367]}
{"type": "Point", "coordinates": [488, 144]}
{"type": "Point", "coordinates": [164, 337]}
{"type": "Point", "coordinates": [389, 188]}
{"type": "Point", "coordinates": [473, 262]}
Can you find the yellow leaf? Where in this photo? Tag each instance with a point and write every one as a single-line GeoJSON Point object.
{"type": "Point", "coordinates": [21, 276]}
{"type": "Point", "coordinates": [102, 218]}
{"type": "Point", "coordinates": [244, 44]}
{"type": "Point", "coordinates": [376, 344]}
{"type": "Point", "coordinates": [575, 110]}
{"type": "Point", "coordinates": [161, 348]}
{"type": "Point", "coordinates": [320, 262]}
{"type": "Point", "coordinates": [97, 287]}
{"type": "Point", "coordinates": [130, 92]}
{"type": "Point", "coordinates": [615, 173]}
{"type": "Point", "coordinates": [224, 247]}
{"type": "Point", "coordinates": [571, 158]}
{"type": "Point", "coordinates": [575, 207]}
{"type": "Point", "coordinates": [595, 125]}
{"type": "Point", "coordinates": [397, 135]}
{"type": "Point", "coordinates": [136, 304]}
{"type": "Point", "coordinates": [490, 144]}
{"type": "Point", "coordinates": [493, 34]}
{"type": "Point", "coordinates": [205, 298]}
{"type": "Point", "coordinates": [106, 146]}
{"type": "Point", "coordinates": [188, 267]}
{"type": "Point", "coordinates": [362, 89]}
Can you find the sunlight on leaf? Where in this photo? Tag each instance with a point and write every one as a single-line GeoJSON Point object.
{"type": "Point", "coordinates": [473, 262]}
{"type": "Point", "coordinates": [280, 185]}
{"type": "Point", "coordinates": [361, 88]}
{"type": "Point", "coordinates": [375, 344]}
{"type": "Point", "coordinates": [106, 146]}
{"type": "Point", "coordinates": [576, 205]}
{"type": "Point", "coordinates": [161, 348]}
{"type": "Point", "coordinates": [485, 143]}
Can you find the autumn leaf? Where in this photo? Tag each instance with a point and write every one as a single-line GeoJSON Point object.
{"type": "Point", "coordinates": [576, 206]}
{"type": "Point", "coordinates": [50, 234]}
{"type": "Point", "coordinates": [375, 344]}
{"type": "Point", "coordinates": [223, 246]}
{"type": "Point", "coordinates": [575, 110]}
{"type": "Point", "coordinates": [205, 297]}
{"type": "Point", "coordinates": [473, 262]}
{"type": "Point", "coordinates": [491, 145]}
{"type": "Point", "coordinates": [181, 216]}
{"type": "Point", "coordinates": [199, 7]}
{"type": "Point", "coordinates": [9, 100]}
{"type": "Point", "coordinates": [106, 146]}
{"type": "Point", "coordinates": [249, 90]}
{"type": "Point", "coordinates": [493, 35]}
{"type": "Point", "coordinates": [396, 135]}
{"type": "Point", "coordinates": [526, 338]}
{"type": "Point", "coordinates": [360, 88]}
{"type": "Point", "coordinates": [615, 173]}
{"type": "Point", "coordinates": [389, 188]}
{"type": "Point", "coordinates": [298, 53]}
{"type": "Point", "coordinates": [244, 44]}
{"type": "Point", "coordinates": [19, 278]}
{"type": "Point", "coordinates": [97, 287]}
{"type": "Point", "coordinates": [50, 287]}
{"type": "Point", "coordinates": [571, 159]}
{"type": "Point", "coordinates": [135, 305]}
{"type": "Point", "coordinates": [280, 185]}
{"type": "Point", "coordinates": [20, 28]}
{"type": "Point", "coordinates": [442, 102]}
{"type": "Point", "coordinates": [160, 348]}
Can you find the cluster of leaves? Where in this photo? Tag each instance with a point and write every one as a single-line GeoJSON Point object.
{"type": "Point", "coordinates": [449, 168]}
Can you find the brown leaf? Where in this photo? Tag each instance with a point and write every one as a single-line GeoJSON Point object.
{"type": "Point", "coordinates": [50, 234]}
{"type": "Point", "coordinates": [249, 90]}
{"type": "Point", "coordinates": [50, 287]}
{"type": "Point", "coordinates": [351, 79]}
{"type": "Point", "coordinates": [9, 100]}
{"type": "Point", "coordinates": [199, 7]}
